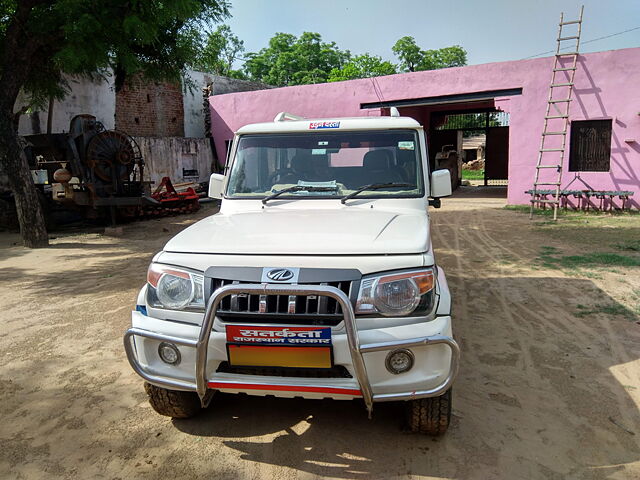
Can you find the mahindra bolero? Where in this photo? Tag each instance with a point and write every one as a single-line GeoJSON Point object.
{"type": "Point", "coordinates": [316, 278]}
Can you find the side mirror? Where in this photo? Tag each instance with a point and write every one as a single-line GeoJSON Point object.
{"type": "Point", "coordinates": [441, 183]}
{"type": "Point", "coordinates": [215, 185]}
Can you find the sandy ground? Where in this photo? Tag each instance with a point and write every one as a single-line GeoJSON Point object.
{"type": "Point", "coordinates": [542, 393]}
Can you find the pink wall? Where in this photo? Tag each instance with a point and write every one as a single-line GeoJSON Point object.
{"type": "Point", "coordinates": [606, 87]}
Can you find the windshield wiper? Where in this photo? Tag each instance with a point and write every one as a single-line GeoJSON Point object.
{"type": "Point", "coordinates": [298, 188]}
{"type": "Point", "coordinates": [375, 186]}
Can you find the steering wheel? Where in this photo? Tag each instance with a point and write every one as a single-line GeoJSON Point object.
{"type": "Point", "coordinates": [279, 174]}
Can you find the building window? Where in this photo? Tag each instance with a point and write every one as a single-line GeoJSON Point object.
{"type": "Point", "coordinates": [590, 146]}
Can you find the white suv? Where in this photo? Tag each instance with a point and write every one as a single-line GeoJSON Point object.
{"type": "Point", "coordinates": [316, 279]}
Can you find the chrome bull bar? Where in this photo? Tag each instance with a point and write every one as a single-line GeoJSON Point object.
{"type": "Point", "coordinates": [355, 348]}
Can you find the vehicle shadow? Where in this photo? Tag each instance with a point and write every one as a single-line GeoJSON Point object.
{"type": "Point", "coordinates": [321, 437]}
{"type": "Point", "coordinates": [543, 392]}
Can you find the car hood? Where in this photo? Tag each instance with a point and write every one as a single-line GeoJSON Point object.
{"type": "Point", "coordinates": [345, 231]}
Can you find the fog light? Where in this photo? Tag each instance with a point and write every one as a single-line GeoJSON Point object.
{"type": "Point", "coordinates": [169, 353]}
{"type": "Point", "coordinates": [399, 361]}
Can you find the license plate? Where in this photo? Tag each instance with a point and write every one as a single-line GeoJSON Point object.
{"type": "Point", "coordinates": [280, 356]}
{"type": "Point", "coordinates": [297, 347]}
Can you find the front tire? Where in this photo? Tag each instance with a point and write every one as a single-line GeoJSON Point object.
{"type": "Point", "coordinates": [173, 403]}
{"type": "Point", "coordinates": [430, 416]}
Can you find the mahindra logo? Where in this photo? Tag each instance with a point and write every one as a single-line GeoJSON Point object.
{"type": "Point", "coordinates": [280, 274]}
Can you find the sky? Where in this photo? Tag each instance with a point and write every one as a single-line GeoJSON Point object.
{"type": "Point", "coordinates": [490, 30]}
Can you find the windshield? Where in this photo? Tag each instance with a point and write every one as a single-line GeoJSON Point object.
{"type": "Point", "coordinates": [331, 164]}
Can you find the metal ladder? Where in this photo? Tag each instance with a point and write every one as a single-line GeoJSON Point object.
{"type": "Point", "coordinates": [556, 122]}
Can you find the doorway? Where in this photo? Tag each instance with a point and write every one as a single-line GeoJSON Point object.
{"type": "Point", "coordinates": [481, 139]}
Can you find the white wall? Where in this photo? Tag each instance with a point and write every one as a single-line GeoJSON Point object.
{"type": "Point", "coordinates": [98, 98]}
{"type": "Point", "coordinates": [169, 156]}
{"type": "Point", "coordinates": [95, 97]}
{"type": "Point", "coordinates": [193, 103]}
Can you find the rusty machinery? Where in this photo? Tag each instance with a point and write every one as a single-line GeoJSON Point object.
{"type": "Point", "coordinates": [90, 168]}
{"type": "Point", "coordinates": [449, 158]}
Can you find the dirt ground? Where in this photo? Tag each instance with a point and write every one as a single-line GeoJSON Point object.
{"type": "Point", "coordinates": [549, 384]}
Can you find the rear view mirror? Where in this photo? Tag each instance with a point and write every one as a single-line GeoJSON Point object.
{"type": "Point", "coordinates": [215, 185]}
{"type": "Point", "coordinates": [440, 183]}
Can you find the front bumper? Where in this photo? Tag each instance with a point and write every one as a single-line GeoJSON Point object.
{"type": "Point", "coordinates": [437, 355]}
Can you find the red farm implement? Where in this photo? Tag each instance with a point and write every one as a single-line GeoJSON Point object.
{"type": "Point", "coordinates": [172, 201]}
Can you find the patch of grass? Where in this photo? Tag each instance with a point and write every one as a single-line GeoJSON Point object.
{"type": "Point", "coordinates": [629, 245]}
{"type": "Point", "coordinates": [606, 309]}
{"type": "Point", "coordinates": [597, 259]}
{"type": "Point", "coordinates": [551, 257]}
{"type": "Point", "coordinates": [526, 209]}
{"type": "Point", "coordinates": [546, 257]}
{"type": "Point", "coordinates": [590, 274]}
{"type": "Point", "coordinates": [472, 174]}
{"type": "Point", "coordinates": [548, 212]}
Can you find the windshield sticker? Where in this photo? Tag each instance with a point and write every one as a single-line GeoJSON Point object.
{"type": "Point", "coordinates": [318, 151]}
{"type": "Point", "coordinates": [406, 146]}
{"type": "Point", "coordinates": [321, 125]}
{"type": "Point", "coordinates": [331, 184]}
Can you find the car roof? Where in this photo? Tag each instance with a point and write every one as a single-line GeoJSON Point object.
{"type": "Point", "coordinates": [330, 125]}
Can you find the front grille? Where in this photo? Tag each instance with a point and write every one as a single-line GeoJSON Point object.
{"type": "Point", "coordinates": [337, 371]}
{"type": "Point", "coordinates": [281, 309]}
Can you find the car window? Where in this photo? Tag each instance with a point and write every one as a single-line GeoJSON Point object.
{"type": "Point", "coordinates": [267, 163]}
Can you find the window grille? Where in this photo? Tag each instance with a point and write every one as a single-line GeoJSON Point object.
{"type": "Point", "coordinates": [590, 146]}
{"type": "Point", "coordinates": [470, 121]}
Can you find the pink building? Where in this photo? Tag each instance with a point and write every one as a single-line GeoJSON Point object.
{"type": "Point", "coordinates": [604, 115]}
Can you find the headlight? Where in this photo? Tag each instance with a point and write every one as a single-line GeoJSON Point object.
{"type": "Point", "coordinates": [174, 288]}
{"type": "Point", "coordinates": [398, 294]}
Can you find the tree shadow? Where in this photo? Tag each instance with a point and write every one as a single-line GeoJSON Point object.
{"type": "Point", "coordinates": [101, 264]}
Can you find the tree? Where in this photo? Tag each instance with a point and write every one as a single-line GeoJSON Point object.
{"type": "Point", "coordinates": [40, 40]}
{"type": "Point", "coordinates": [289, 60]}
{"type": "Point", "coordinates": [362, 66]}
{"type": "Point", "coordinates": [413, 59]}
{"type": "Point", "coordinates": [454, 56]}
{"type": "Point", "coordinates": [220, 51]}
{"type": "Point", "coordinates": [408, 52]}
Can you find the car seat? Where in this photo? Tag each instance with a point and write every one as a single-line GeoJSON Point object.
{"type": "Point", "coordinates": [376, 167]}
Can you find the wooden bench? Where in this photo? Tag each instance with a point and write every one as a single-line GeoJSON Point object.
{"type": "Point", "coordinates": [584, 198]}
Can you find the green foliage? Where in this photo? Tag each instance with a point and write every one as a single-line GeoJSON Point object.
{"type": "Point", "coordinates": [84, 37]}
{"type": "Point", "coordinates": [7, 11]}
{"type": "Point", "coordinates": [454, 56]}
{"type": "Point", "coordinates": [471, 120]}
{"type": "Point", "coordinates": [409, 53]}
{"type": "Point", "coordinates": [362, 66]}
{"type": "Point", "coordinates": [472, 174]}
{"type": "Point", "coordinates": [220, 50]}
{"type": "Point", "coordinates": [413, 58]}
{"type": "Point", "coordinates": [289, 60]}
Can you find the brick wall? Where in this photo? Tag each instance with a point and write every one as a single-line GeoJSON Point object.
{"type": "Point", "coordinates": [150, 109]}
